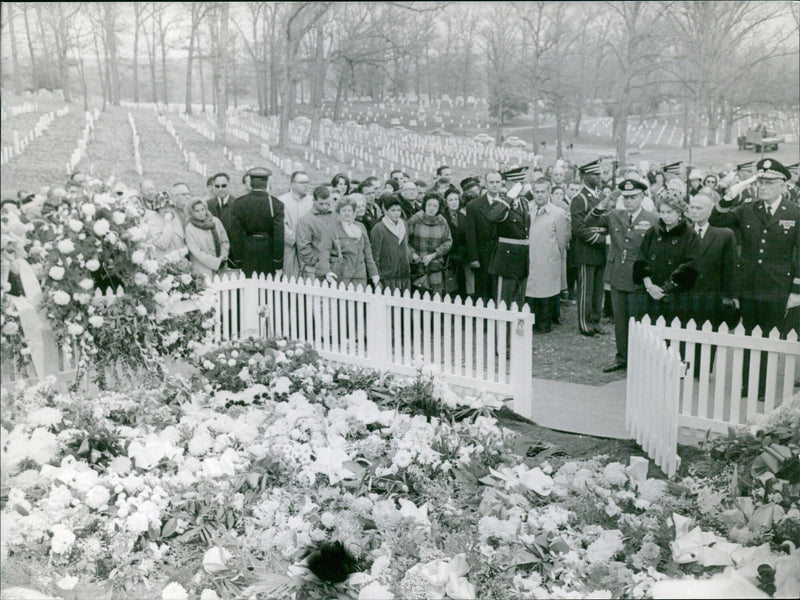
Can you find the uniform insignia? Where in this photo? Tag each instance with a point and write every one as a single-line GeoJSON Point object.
{"type": "Point", "coordinates": [786, 224]}
{"type": "Point", "coordinates": [767, 164]}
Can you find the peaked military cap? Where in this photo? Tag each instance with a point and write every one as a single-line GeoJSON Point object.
{"type": "Point", "coordinates": [257, 173]}
{"type": "Point", "coordinates": [631, 187]}
{"type": "Point", "coordinates": [591, 168]}
{"type": "Point", "coordinates": [793, 169]}
{"type": "Point", "coordinates": [515, 174]}
{"type": "Point", "coordinates": [745, 166]}
{"type": "Point", "coordinates": [674, 168]}
{"type": "Point", "coordinates": [769, 168]}
{"type": "Point", "coordinates": [469, 182]}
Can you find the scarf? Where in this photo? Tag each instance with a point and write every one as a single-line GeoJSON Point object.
{"type": "Point", "coordinates": [352, 230]}
{"type": "Point", "coordinates": [398, 229]}
{"type": "Point", "coordinates": [429, 220]}
{"type": "Point", "coordinates": [208, 225]}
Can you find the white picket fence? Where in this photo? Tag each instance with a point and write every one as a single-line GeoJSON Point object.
{"type": "Point", "coordinates": [652, 395]}
{"type": "Point", "coordinates": [475, 346]}
{"type": "Point", "coordinates": [710, 397]}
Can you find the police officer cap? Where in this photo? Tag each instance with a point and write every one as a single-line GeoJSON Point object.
{"type": "Point", "coordinates": [769, 168]}
{"type": "Point", "coordinates": [515, 174]}
{"type": "Point", "coordinates": [257, 173]}
{"type": "Point", "coordinates": [631, 187]}
{"type": "Point", "coordinates": [469, 182]}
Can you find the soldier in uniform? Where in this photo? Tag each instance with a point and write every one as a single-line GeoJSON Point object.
{"type": "Point", "coordinates": [768, 270]}
{"type": "Point", "coordinates": [626, 227]}
{"type": "Point", "coordinates": [257, 226]}
{"type": "Point", "coordinates": [509, 260]}
{"type": "Point", "coordinates": [589, 244]}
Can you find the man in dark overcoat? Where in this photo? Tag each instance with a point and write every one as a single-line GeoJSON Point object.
{"type": "Point", "coordinates": [257, 226]}
{"type": "Point", "coordinates": [482, 235]}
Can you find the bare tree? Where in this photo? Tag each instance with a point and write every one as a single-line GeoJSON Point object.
{"type": "Point", "coordinates": [14, 56]}
{"type": "Point", "coordinates": [34, 70]}
{"type": "Point", "coordinates": [500, 41]}
{"type": "Point", "coordinates": [196, 11]}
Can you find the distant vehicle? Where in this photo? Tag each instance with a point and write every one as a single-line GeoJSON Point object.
{"type": "Point", "coordinates": [484, 138]}
{"type": "Point", "coordinates": [395, 121]}
{"type": "Point", "coordinates": [514, 142]}
{"type": "Point", "coordinates": [758, 139]}
{"type": "Point", "coordinates": [399, 128]}
{"type": "Point", "coordinates": [440, 132]}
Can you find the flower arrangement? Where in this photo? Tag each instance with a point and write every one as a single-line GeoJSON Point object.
{"type": "Point", "coordinates": [107, 297]}
{"type": "Point", "coordinates": [300, 484]}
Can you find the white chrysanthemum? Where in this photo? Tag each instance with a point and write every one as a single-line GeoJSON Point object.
{"type": "Point", "coordinates": [92, 264]}
{"type": "Point", "coordinates": [150, 266]}
{"type": "Point", "coordinates": [56, 272]}
{"type": "Point", "coordinates": [137, 234]}
{"type": "Point", "coordinates": [101, 227]}
{"type": "Point", "coordinates": [45, 417]}
{"type": "Point", "coordinates": [118, 217]}
{"type": "Point", "coordinates": [88, 209]}
{"type": "Point", "coordinates": [10, 328]}
{"type": "Point", "coordinates": [65, 246]}
{"type": "Point", "coordinates": [186, 278]}
{"type": "Point", "coordinates": [138, 257]}
{"type": "Point", "coordinates": [98, 497]}
{"type": "Point", "coordinates": [615, 474]}
{"type": "Point", "coordinates": [74, 329]}
{"type": "Point", "coordinates": [96, 321]}
{"type": "Point", "coordinates": [174, 591]}
{"type": "Point", "coordinates": [75, 225]}
{"type": "Point", "coordinates": [605, 547]}
{"type": "Point", "coordinates": [63, 539]}
{"type": "Point", "coordinates": [86, 284]}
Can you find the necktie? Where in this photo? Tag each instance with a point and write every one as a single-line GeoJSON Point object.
{"type": "Point", "coordinates": [630, 220]}
{"type": "Point", "coordinates": [540, 211]}
{"type": "Point", "coordinates": [700, 232]}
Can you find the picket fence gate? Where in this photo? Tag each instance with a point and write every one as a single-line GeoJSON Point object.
{"type": "Point", "coordinates": [709, 397]}
{"type": "Point", "coordinates": [652, 395]}
{"type": "Point", "coordinates": [475, 346]}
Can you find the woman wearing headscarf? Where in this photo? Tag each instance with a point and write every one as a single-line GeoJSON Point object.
{"type": "Point", "coordinates": [455, 215]}
{"type": "Point", "coordinates": [206, 239]}
{"type": "Point", "coordinates": [389, 239]}
{"type": "Point", "coordinates": [430, 241]}
{"type": "Point", "coordinates": [668, 252]}
{"type": "Point", "coordinates": [165, 236]}
{"type": "Point", "coordinates": [346, 254]}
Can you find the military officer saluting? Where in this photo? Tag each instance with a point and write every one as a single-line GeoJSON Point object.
{"type": "Point", "coordinates": [509, 260]}
{"type": "Point", "coordinates": [257, 226]}
{"type": "Point", "coordinates": [768, 271]}
{"type": "Point", "coordinates": [626, 227]}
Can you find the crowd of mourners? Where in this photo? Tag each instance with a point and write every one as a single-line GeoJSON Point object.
{"type": "Point", "coordinates": [618, 242]}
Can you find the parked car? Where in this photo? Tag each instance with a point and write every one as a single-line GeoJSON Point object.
{"type": "Point", "coordinates": [484, 138]}
{"type": "Point", "coordinates": [514, 142]}
{"type": "Point", "coordinates": [440, 132]}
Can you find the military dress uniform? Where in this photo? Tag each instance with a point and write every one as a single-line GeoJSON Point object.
{"type": "Point", "coordinates": [590, 257]}
{"type": "Point", "coordinates": [768, 269]}
{"type": "Point", "coordinates": [509, 261]}
{"type": "Point", "coordinates": [257, 229]}
{"type": "Point", "coordinates": [626, 232]}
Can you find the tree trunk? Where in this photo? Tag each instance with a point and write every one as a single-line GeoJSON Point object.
{"type": "Point", "coordinates": [234, 87]}
{"type": "Point", "coordinates": [47, 80]}
{"type": "Point", "coordinates": [137, 9]}
{"type": "Point", "coordinates": [202, 85]}
{"type": "Point", "coordinates": [190, 59]}
{"type": "Point", "coordinates": [164, 67]}
{"type": "Point", "coordinates": [63, 67]}
{"type": "Point", "coordinates": [559, 132]}
{"type": "Point", "coordinates": [34, 73]}
{"type": "Point", "coordinates": [535, 133]}
{"type": "Point", "coordinates": [317, 85]}
{"type": "Point", "coordinates": [14, 56]}
{"type": "Point", "coordinates": [337, 103]}
{"type": "Point", "coordinates": [99, 67]}
{"type": "Point", "coordinates": [729, 121]}
{"type": "Point", "coordinates": [84, 87]}
{"type": "Point", "coordinates": [112, 48]}
{"type": "Point", "coordinates": [222, 94]}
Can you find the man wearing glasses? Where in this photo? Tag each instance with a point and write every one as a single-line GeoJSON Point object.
{"type": "Point", "coordinates": [220, 203]}
{"type": "Point", "coordinates": [768, 275]}
{"type": "Point", "coordinates": [296, 203]}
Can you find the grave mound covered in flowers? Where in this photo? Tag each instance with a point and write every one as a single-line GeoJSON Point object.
{"type": "Point", "coordinates": [270, 474]}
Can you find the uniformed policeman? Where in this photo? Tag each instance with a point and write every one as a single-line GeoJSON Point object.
{"type": "Point", "coordinates": [509, 260]}
{"type": "Point", "coordinates": [257, 226]}
{"type": "Point", "coordinates": [768, 270]}
{"type": "Point", "coordinates": [626, 227]}
{"type": "Point", "coordinates": [589, 250]}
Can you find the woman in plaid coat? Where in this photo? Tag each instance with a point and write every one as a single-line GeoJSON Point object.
{"type": "Point", "coordinates": [430, 241]}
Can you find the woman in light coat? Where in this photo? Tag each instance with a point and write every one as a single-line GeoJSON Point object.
{"type": "Point", "coordinates": [206, 239]}
{"type": "Point", "coordinates": [346, 254]}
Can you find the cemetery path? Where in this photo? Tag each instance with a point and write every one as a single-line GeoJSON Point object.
{"type": "Point", "coordinates": [578, 408]}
